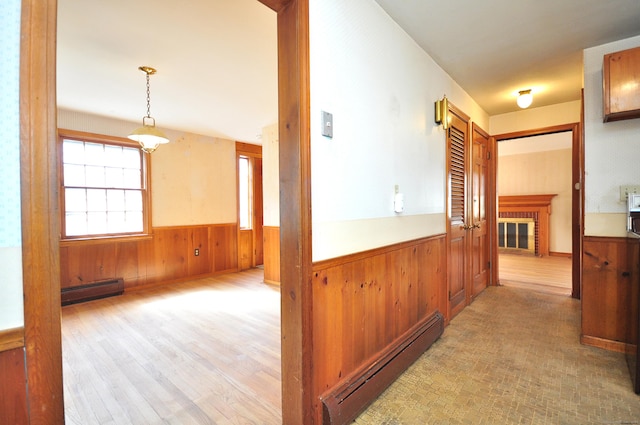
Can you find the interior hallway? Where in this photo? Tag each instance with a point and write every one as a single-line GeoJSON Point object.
{"type": "Point", "coordinates": [511, 357]}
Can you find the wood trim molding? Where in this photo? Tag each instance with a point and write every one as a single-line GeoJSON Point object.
{"type": "Point", "coordinates": [519, 201]}
{"type": "Point", "coordinates": [11, 338]}
{"type": "Point", "coordinates": [607, 344]}
{"type": "Point", "coordinates": [295, 213]}
{"type": "Point", "coordinates": [40, 212]}
{"type": "Point", "coordinates": [607, 239]}
{"type": "Point", "coordinates": [537, 132]}
{"type": "Point", "coordinates": [338, 261]}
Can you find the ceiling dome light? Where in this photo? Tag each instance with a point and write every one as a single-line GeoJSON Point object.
{"type": "Point", "coordinates": [524, 98]}
{"type": "Point", "coordinates": [148, 135]}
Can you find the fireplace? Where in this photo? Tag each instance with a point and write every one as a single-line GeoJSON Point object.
{"type": "Point", "coordinates": [534, 209]}
{"type": "Point", "coordinates": [517, 235]}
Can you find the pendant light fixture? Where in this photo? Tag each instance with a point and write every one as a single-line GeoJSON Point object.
{"type": "Point", "coordinates": [148, 135]}
{"type": "Point", "coordinates": [524, 98]}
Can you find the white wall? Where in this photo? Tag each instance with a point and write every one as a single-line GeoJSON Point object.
{"type": "Point", "coordinates": [612, 150]}
{"type": "Point", "coordinates": [381, 88]}
{"type": "Point", "coordinates": [193, 178]}
{"type": "Point", "coordinates": [11, 299]}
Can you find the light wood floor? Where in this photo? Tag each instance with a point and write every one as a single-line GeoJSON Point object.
{"type": "Point", "coordinates": [201, 352]}
{"type": "Point", "coordinates": [547, 274]}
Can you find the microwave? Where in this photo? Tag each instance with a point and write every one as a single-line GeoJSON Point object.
{"type": "Point", "coordinates": [633, 218]}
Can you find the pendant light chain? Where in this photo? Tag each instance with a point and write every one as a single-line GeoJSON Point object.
{"type": "Point", "coordinates": [148, 136]}
{"type": "Point", "coordinates": [148, 97]}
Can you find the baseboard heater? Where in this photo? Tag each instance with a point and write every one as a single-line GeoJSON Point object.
{"type": "Point", "coordinates": [345, 401]}
{"type": "Point", "coordinates": [92, 291]}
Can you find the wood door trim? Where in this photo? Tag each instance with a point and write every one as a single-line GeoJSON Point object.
{"type": "Point", "coordinates": [577, 172]}
{"type": "Point", "coordinates": [40, 231]}
{"type": "Point", "coordinates": [298, 398]}
{"type": "Point", "coordinates": [40, 214]}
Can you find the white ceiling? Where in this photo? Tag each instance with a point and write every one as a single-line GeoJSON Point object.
{"type": "Point", "coordinates": [217, 59]}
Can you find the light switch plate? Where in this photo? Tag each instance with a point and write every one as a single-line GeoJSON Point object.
{"type": "Point", "coordinates": [327, 124]}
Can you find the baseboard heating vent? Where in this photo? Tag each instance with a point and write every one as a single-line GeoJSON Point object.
{"type": "Point", "coordinates": [344, 402]}
{"type": "Point", "coordinates": [92, 291]}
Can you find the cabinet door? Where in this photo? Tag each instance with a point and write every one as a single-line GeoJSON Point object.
{"type": "Point", "coordinates": [621, 74]}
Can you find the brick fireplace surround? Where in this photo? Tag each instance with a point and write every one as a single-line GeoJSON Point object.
{"type": "Point", "coordinates": [536, 207]}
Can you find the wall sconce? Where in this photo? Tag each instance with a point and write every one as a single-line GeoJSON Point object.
{"type": "Point", "coordinates": [442, 112]}
{"type": "Point", "coordinates": [148, 135]}
{"type": "Point", "coordinates": [524, 98]}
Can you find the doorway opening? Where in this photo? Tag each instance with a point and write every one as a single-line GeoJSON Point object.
{"type": "Point", "coordinates": [539, 209]}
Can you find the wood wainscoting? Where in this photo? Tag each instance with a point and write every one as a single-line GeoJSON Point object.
{"type": "Point", "coordinates": [271, 245]}
{"type": "Point", "coordinates": [609, 282]}
{"type": "Point", "coordinates": [168, 255]}
{"type": "Point", "coordinates": [13, 390]}
{"type": "Point", "coordinates": [363, 306]}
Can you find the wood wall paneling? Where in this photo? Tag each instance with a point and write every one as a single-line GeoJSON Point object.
{"type": "Point", "coordinates": [245, 253]}
{"type": "Point", "coordinates": [13, 389]}
{"type": "Point", "coordinates": [199, 240]}
{"type": "Point", "coordinates": [271, 254]}
{"type": "Point", "coordinates": [364, 304]}
{"type": "Point", "coordinates": [167, 256]}
{"type": "Point", "coordinates": [131, 262]}
{"type": "Point", "coordinates": [86, 263]}
{"type": "Point", "coordinates": [608, 285]}
{"type": "Point", "coordinates": [225, 247]}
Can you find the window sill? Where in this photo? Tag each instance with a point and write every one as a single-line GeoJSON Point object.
{"type": "Point", "coordinates": [105, 239]}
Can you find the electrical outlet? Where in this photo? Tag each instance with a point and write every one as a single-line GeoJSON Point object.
{"type": "Point", "coordinates": [196, 252]}
{"type": "Point", "coordinates": [626, 190]}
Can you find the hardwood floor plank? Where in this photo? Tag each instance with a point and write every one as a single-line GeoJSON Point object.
{"type": "Point", "coordinates": [542, 274]}
{"type": "Point", "coordinates": [199, 352]}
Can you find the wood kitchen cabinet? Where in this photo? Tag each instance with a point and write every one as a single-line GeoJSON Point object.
{"type": "Point", "coordinates": [621, 85]}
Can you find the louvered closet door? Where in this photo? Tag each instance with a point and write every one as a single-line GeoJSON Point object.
{"type": "Point", "coordinates": [457, 188]}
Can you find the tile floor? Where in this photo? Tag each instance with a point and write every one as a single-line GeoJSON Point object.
{"type": "Point", "coordinates": [511, 357]}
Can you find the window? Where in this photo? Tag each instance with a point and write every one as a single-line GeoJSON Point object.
{"type": "Point", "coordinates": [104, 187]}
{"type": "Point", "coordinates": [244, 192]}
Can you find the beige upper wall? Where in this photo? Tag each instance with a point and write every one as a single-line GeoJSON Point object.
{"type": "Point", "coordinates": [529, 119]}
{"type": "Point", "coordinates": [193, 178]}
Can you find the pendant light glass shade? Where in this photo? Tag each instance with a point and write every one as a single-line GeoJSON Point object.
{"type": "Point", "coordinates": [148, 135]}
{"type": "Point", "coordinates": [524, 98]}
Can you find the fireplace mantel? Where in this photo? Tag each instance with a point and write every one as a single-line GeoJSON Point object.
{"type": "Point", "coordinates": [528, 201]}
{"type": "Point", "coordinates": [537, 207]}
